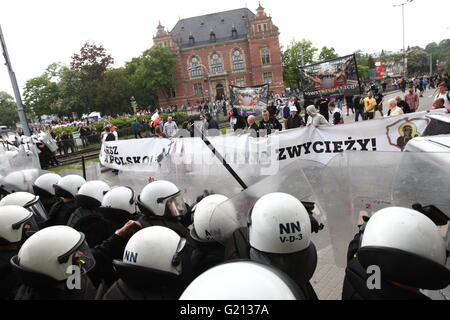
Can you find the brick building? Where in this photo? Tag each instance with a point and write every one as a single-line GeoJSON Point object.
{"type": "Point", "coordinates": [216, 50]}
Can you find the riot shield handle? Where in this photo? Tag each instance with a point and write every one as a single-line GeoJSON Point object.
{"type": "Point", "coordinates": [432, 212]}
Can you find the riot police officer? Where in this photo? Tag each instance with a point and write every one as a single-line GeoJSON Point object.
{"type": "Point", "coordinates": [16, 225]}
{"type": "Point", "coordinates": [86, 218]}
{"type": "Point", "coordinates": [66, 188]}
{"type": "Point", "coordinates": [155, 266]}
{"type": "Point", "coordinates": [52, 265]}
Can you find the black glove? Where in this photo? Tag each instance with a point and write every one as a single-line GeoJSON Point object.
{"type": "Point", "coordinates": [204, 195]}
{"type": "Point", "coordinates": [315, 226]}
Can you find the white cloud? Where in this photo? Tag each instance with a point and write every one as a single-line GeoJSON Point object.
{"type": "Point", "coordinates": [45, 31]}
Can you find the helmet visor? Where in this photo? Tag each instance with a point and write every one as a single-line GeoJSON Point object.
{"type": "Point", "coordinates": [175, 206]}
{"type": "Point", "coordinates": [29, 227]}
{"type": "Point", "coordinates": [83, 258]}
{"type": "Point", "coordinates": [39, 212]}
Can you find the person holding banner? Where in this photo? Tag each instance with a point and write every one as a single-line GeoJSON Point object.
{"type": "Point", "coordinates": [267, 123]}
{"type": "Point", "coordinates": [394, 110]}
{"type": "Point", "coordinates": [295, 120]}
{"type": "Point", "coordinates": [315, 119]}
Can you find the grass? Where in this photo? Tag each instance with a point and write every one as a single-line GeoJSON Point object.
{"type": "Point", "coordinates": [73, 166]}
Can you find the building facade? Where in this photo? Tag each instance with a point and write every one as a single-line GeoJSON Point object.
{"type": "Point", "coordinates": [216, 50]}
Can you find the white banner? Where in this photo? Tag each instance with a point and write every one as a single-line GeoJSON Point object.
{"type": "Point", "coordinates": [264, 156]}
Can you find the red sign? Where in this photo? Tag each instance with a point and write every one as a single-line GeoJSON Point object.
{"type": "Point", "coordinates": [379, 69]}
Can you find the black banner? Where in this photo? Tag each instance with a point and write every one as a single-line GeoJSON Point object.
{"type": "Point", "coordinates": [330, 79]}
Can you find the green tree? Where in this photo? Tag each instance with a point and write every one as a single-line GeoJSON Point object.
{"type": "Point", "coordinates": [418, 61]}
{"type": "Point", "coordinates": [40, 95]}
{"type": "Point", "coordinates": [8, 110]}
{"type": "Point", "coordinates": [362, 64]}
{"type": "Point", "coordinates": [327, 54]}
{"type": "Point", "coordinates": [291, 61]}
{"type": "Point", "coordinates": [153, 70]}
{"type": "Point", "coordinates": [92, 61]}
{"type": "Point", "coordinates": [114, 92]}
{"type": "Point", "coordinates": [72, 97]}
{"type": "Point", "coordinates": [370, 62]}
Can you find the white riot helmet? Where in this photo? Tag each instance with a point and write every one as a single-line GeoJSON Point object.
{"type": "Point", "coordinates": [20, 180]}
{"type": "Point", "coordinates": [46, 257]}
{"type": "Point", "coordinates": [120, 198]}
{"type": "Point", "coordinates": [43, 186]}
{"type": "Point", "coordinates": [408, 248]}
{"type": "Point", "coordinates": [16, 224]}
{"type": "Point", "coordinates": [202, 217]}
{"type": "Point", "coordinates": [91, 194]}
{"type": "Point", "coordinates": [68, 186]}
{"type": "Point", "coordinates": [242, 280]}
{"type": "Point", "coordinates": [152, 250]}
{"type": "Point", "coordinates": [279, 223]}
{"type": "Point", "coordinates": [161, 198]}
{"type": "Point", "coordinates": [28, 201]}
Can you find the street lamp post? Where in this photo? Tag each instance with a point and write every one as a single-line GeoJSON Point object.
{"type": "Point", "coordinates": [405, 72]}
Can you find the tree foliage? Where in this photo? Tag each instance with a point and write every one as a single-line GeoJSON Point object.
{"type": "Point", "coordinates": [40, 95]}
{"type": "Point", "coordinates": [153, 70]}
{"type": "Point", "coordinates": [327, 54]}
{"type": "Point", "coordinates": [92, 61]}
{"type": "Point", "coordinates": [8, 110]}
{"type": "Point", "coordinates": [292, 58]}
{"type": "Point", "coordinates": [418, 61]}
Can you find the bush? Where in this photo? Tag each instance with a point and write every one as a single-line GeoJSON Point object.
{"type": "Point", "coordinates": [125, 122]}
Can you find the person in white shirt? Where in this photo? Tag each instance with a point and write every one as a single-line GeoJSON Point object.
{"type": "Point", "coordinates": [394, 110]}
{"type": "Point", "coordinates": [114, 132]}
{"type": "Point", "coordinates": [444, 94]}
{"type": "Point", "coordinates": [170, 128]}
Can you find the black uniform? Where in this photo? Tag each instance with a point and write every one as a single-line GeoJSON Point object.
{"type": "Point", "coordinates": [104, 254]}
{"type": "Point", "coordinates": [298, 266]}
{"type": "Point", "coordinates": [90, 222]}
{"type": "Point", "coordinates": [171, 223]}
{"type": "Point", "coordinates": [60, 213]}
{"type": "Point", "coordinates": [355, 287]}
{"type": "Point", "coordinates": [87, 292]}
{"type": "Point", "coordinates": [163, 288]}
{"type": "Point", "coordinates": [206, 255]}
{"type": "Point", "coordinates": [8, 280]}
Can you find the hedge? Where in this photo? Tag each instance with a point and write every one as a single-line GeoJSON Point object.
{"type": "Point", "coordinates": [125, 122]}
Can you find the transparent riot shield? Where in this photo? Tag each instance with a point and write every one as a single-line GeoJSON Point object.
{"type": "Point", "coordinates": [67, 172]}
{"type": "Point", "coordinates": [193, 173]}
{"type": "Point", "coordinates": [233, 214]}
{"type": "Point", "coordinates": [49, 142]}
{"type": "Point", "coordinates": [19, 169]}
{"type": "Point", "coordinates": [357, 184]}
{"type": "Point", "coordinates": [93, 171]}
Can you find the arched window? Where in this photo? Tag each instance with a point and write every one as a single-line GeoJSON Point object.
{"type": "Point", "coordinates": [238, 60]}
{"type": "Point", "coordinates": [195, 68]}
{"type": "Point", "coordinates": [265, 56]}
{"type": "Point", "coordinates": [216, 63]}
